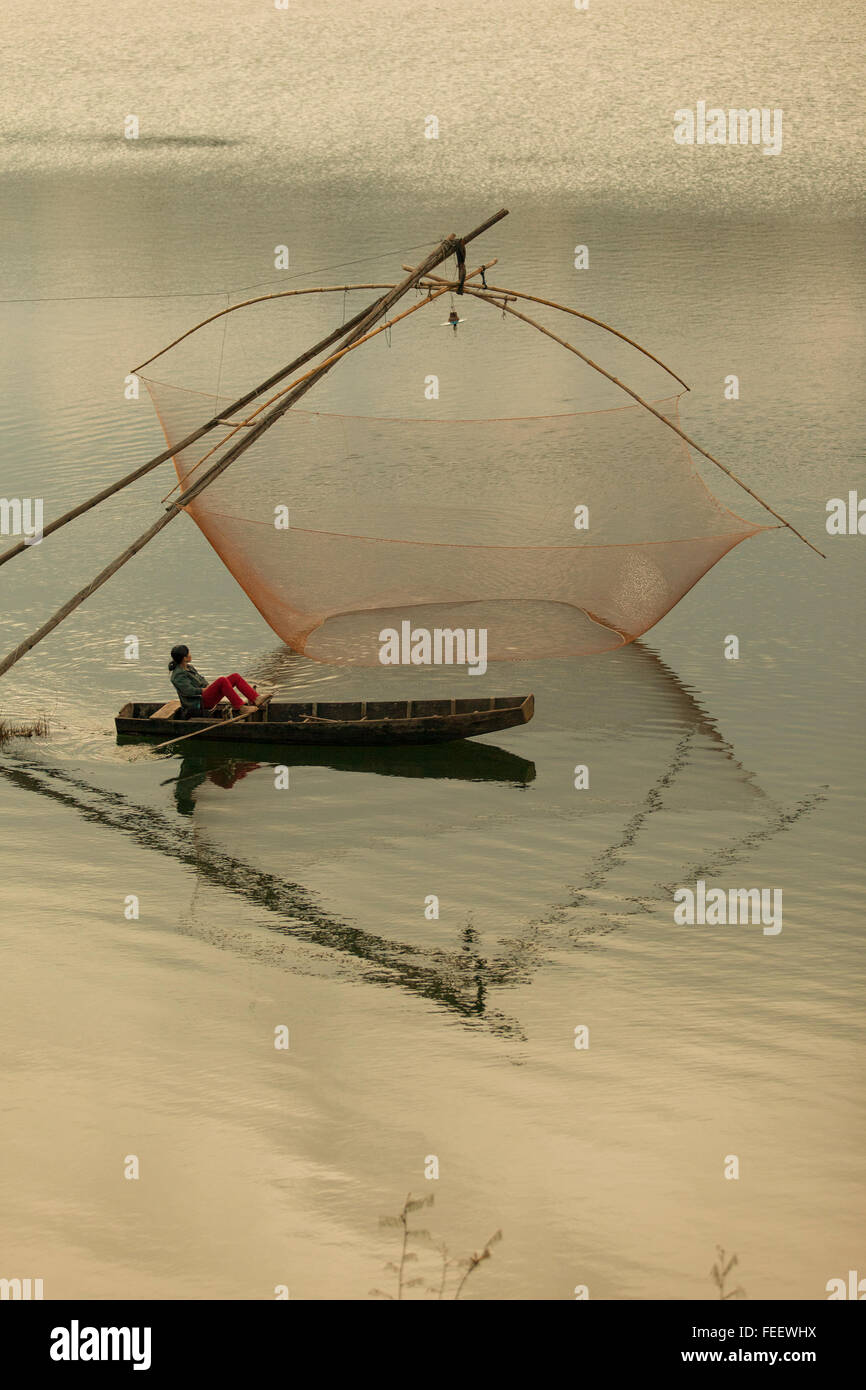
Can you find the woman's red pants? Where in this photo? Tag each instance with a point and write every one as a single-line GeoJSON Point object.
{"type": "Point", "coordinates": [228, 686]}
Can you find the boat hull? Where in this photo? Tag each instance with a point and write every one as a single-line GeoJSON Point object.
{"type": "Point", "coordinates": [364, 723]}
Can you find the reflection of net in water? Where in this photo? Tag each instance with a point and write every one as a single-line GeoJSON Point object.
{"type": "Point", "coordinates": [459, 524]}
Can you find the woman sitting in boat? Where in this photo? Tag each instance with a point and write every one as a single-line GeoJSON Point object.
{"type": "Point", "coordinates": [197, 696]}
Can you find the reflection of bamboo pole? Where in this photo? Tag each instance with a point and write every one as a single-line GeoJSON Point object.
{"type": "Point", "coordinates": [564, 308]}
{"type": "Point", "coordinates": [438, 978]}
{"type": "Point", "coordinates": [499, 304]}
{"type": "Point", "coordinates": [376, 311]}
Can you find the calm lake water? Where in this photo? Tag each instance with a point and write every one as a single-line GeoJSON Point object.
{"type": "Point", "coordinates": [452, 1038]}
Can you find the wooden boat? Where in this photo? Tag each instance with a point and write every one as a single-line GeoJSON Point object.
{"type": "Point", "coordinates": [357, 722]}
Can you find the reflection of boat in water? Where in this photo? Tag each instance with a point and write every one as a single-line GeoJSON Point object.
{"type": "Point", "coordinates": [462, 761]}
{"type": "Point", "coordinates": [658, 759]}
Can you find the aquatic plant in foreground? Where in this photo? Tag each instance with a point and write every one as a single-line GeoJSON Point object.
{"type": "Point", "coordinates": [467, 1265]}
{"type": "Point", "coordinates": [28, 728]}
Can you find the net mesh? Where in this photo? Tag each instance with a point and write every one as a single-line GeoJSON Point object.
{"type": "Point", "coordinates": [458, 524]}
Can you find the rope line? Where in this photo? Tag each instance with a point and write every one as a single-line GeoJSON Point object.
{"type": "Point", "coordinates": [207, 294]}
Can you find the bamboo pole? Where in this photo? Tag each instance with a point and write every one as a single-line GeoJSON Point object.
{"type": "Point", "coordinates": [260, 299]}
{"type": "Point", "coordinates": [470, 274]}
{"type": "Point", "coordinates": [280, 294]}
{"type": "Point", "coordinates": [376, 311]}
{"type": "Point", "coordinates": [432, 295]}
{"type": "Point", "coordinates": [180, 503]}
{"type": "Point", "coordinates": [190, 438]}
{"type": "Point", "coordinates": [239, 404]}
{"type": "Point", "coordinates": [564, 308]}
{"type": "Point", "coordinates": [71, 604]}
{"type": "Point", "coordinates": [357, 342]}
{"type": "Point", "coordinates": [664, 419]}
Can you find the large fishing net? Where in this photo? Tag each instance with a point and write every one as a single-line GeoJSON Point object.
{"type": "Point", "coordinates": [373, 540]}
{"type": "Point", "coordinates": [558, 534]}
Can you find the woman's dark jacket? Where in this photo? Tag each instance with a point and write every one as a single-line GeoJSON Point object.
{"type": "Point", "coordinates": [189, 685]}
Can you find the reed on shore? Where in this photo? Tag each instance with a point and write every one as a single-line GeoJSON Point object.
{"type": "Point", "coordinates": [23, 728]}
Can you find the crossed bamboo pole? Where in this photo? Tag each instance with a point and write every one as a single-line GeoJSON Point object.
{"type": "Point", "coordinates": [190, 439]}
{"type": "Point", "coordinates": [238, 425]}
{"type": "Point", "coordinates": [219, 419]}
{"type": "Point", "coordinates": [260, 299]}
{"type": "Point", "coordinates": [433, 292]}
{"type": "Point", "coordinates": [357, 331]}
{"type": "Point", "coordinates": [282, 294]}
